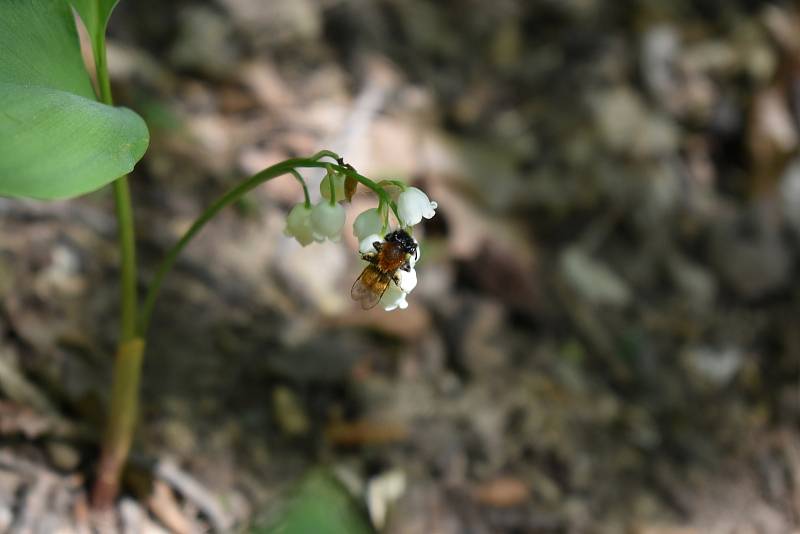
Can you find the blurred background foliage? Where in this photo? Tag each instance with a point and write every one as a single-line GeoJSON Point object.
{"type": "Point", "coordinates": [605, 337]}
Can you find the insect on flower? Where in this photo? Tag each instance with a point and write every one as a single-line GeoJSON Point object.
{"type": "Point", "coordinates": [392, 255]}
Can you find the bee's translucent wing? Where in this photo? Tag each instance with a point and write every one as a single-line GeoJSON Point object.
{"type": "Point", "coordinates": [370, 287]}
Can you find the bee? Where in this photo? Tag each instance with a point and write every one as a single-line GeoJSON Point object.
{"type": "Point", "coordinates": [392, 254]}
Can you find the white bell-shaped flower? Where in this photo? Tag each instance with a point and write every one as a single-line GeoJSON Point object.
{"type": "Point", "coordinates": [367, 223]}
{"type": "Point", "coordinates": [327, 221]}
{"type": "Point", "coordinates": [367, 245]}
{"type": "Point", "coordinates": [298, 224]}
{"type": "Point", "coordinates": [338, 186]}
{"type": "Point", "coordinates": [407, 280]}
{"type": "Point", "coordinates": [413, 204]}
{"type": "Point", "coordinates": [394, 298]}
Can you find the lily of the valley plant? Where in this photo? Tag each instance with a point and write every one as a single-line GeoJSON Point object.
{"type": "Point", "coordinates": [60, 137]}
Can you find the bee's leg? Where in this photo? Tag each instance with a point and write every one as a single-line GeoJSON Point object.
{"type": "Point", "coordinates": [378, 245]}
{"type": "Point", "coordinates": [406, 267]}
{"type": "Point", "coordinates": [370, 257]}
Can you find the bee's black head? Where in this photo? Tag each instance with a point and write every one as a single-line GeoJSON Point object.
{"type": "Point", "coordinates": [406, 242]}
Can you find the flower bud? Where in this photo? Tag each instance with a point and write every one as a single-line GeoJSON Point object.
{"type": "Point", "coordinates": [327, 221]}
{"type": "Point", "coordinates": [413, 204]}
{"type": "Point", "coordinates": [367, 223]}
{"type": "Point", "coordinates": [298, 224]}
{"type": "Point", "coordinates": [338, 186]}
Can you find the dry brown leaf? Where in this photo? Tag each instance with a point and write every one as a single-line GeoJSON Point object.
{"type": "Point", "coordinates": [350, 185]}
{"type": "Point", "coordinates": [365, 432]}
{"type": "Point", "coordinates": [502, 492]}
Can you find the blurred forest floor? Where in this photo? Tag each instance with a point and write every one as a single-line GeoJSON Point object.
{"type": "Point", "coordinates": [606, 336]}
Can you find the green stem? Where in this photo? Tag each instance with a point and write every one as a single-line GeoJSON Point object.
{"type": "Point", "coordinates": [122, 411]}
{"type": "Point", "coordinates": [121, 422]}
{"type": "Point", "coordinates": [325, 154]}
{"type": "Point", "coordinates": [122, 199]}
{"type": "Point", "coordinates": [307, 199]}
{"type": "Point", "coordinates": [332, 186]}
{"type": "Point", "coordinates": [384, 215]}
{"type": "Point", "coordinates": [101, 68]}
{"type": "Point", "coordinates": [127, 242]}
{"type": "Point", "coordinates": [398, 183]}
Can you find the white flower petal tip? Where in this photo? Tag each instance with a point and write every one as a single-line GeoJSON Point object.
{"type": "Point", "coordinates": [400, 305]}
{"type": "Point", "coordinates": [367, 223]}
{"type": "Point", "coordinates": [327, 221]}
{"type": "Point", "coordinates": [413, 205]}
{"type": "Point", "coordinates": [394, 299]}
{"type": "Point", "coordinates": [298, 224]}
{"type": "Point", "coordinates": [367, 245]}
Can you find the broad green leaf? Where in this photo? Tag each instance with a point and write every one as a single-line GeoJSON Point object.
{"type": "Point", "coordinates": [95, 14]}
{"type": "Point", "coordinates": [39, 46]}
{"type": "Point", "coordinates": [54, 144]}
{"type": "Point", "coordinates": [56, 141]}
{"type": "Point", "coordinates": [321, 505]}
